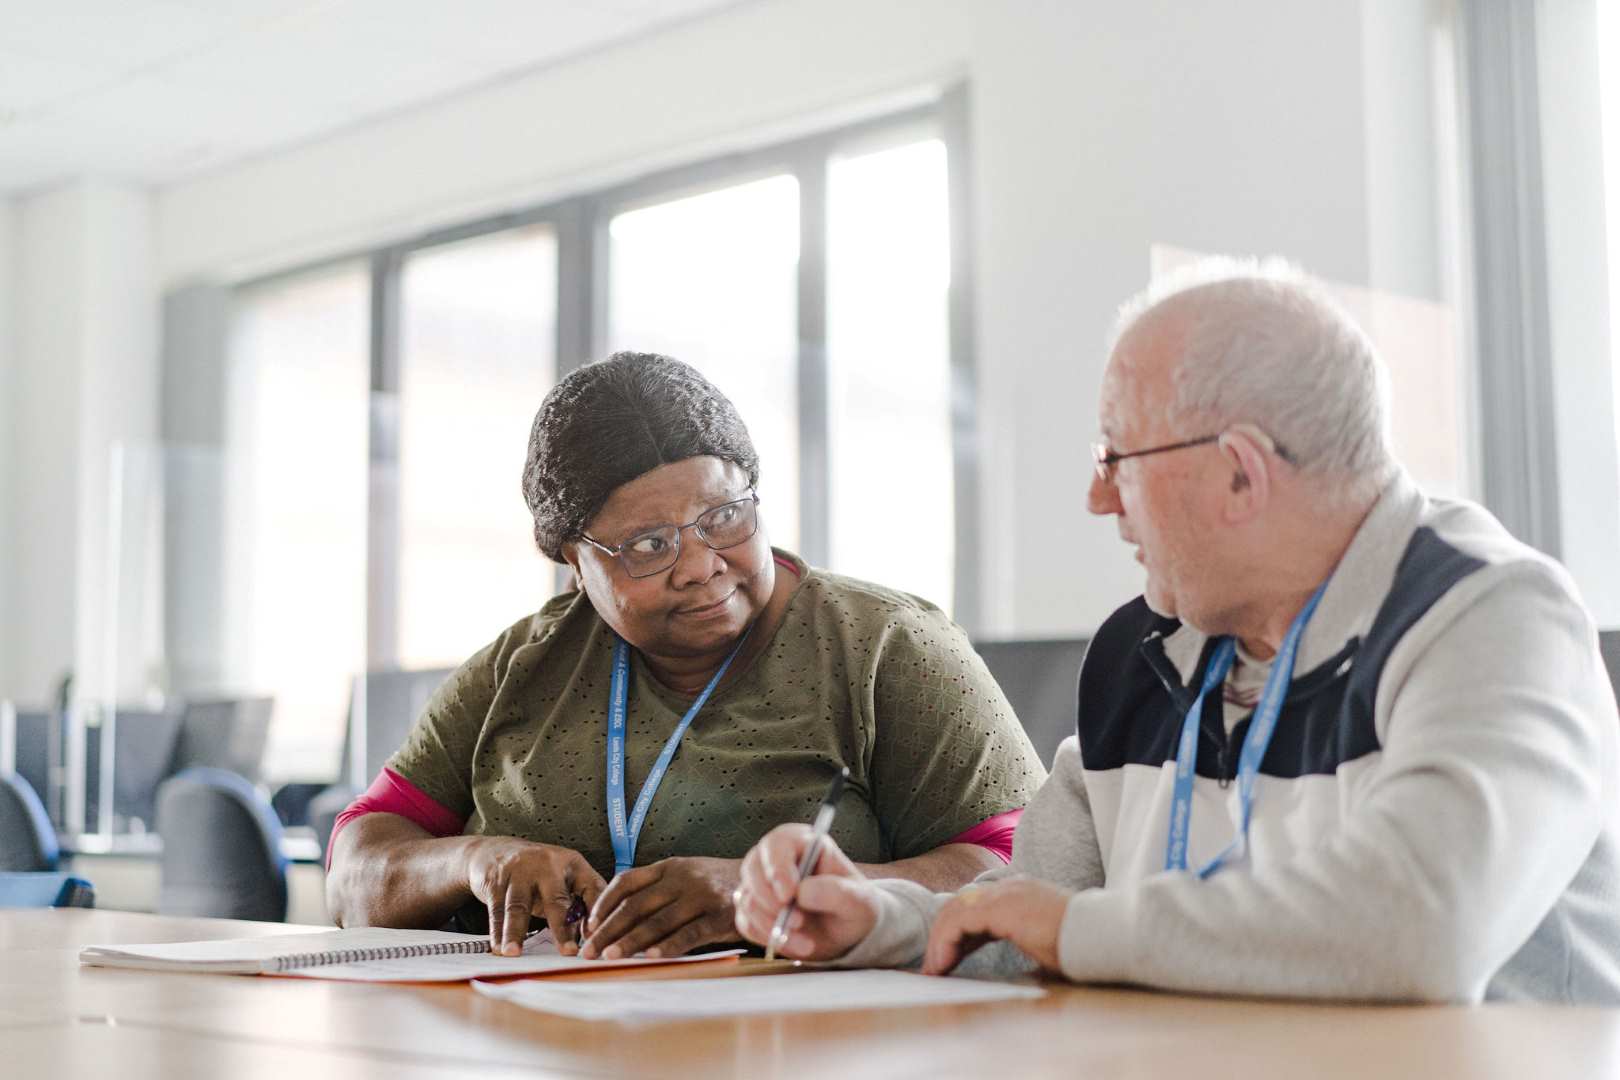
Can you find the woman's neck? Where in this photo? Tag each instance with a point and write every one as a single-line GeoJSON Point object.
{"type": "Point", "coordinates": [687, 675]}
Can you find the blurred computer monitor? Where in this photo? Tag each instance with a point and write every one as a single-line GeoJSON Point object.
{"type": "Point", "coordinates": [229, 733]}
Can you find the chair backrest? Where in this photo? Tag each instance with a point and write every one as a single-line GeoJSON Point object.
{"type": "Point", "coordinates": [1609, 642]}
{"type": "Point", "coordinates": [382, 709]}
{"type": "Point", "coordinates": [143, 750]}
{"type": "Point", "coordinates": [324, 810]}
{"type": "Point", "coordinates": [45, 889]}
{"type": "Point", "coordinates": [36, 752]}
{"type": "Point", "coordinates": [221, 849]}
{"type": "Point", "coordinates": [228, 734]}
{"type": "Point", "coordinates": [1042, 682]}
{"type": "Point", "coordinates": [27, 840]}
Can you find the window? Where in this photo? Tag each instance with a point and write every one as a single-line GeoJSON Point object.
{"type": "Point", "coordinates": [295, 508]}
{"type": "Point", "coordinates": [889, 369]}
{"type": "Point", "coordinates": [477, 355]}
{"type": "Point", "coordinates": [712, 280]}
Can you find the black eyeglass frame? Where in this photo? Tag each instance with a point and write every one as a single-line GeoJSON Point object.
{"type": "Point", "coordinates": [1105, 459]}
{"type": "Point", "coordinates": [617, 552]}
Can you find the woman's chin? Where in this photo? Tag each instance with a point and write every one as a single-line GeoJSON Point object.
{"type": "Point", "coordinates": [709, 628]}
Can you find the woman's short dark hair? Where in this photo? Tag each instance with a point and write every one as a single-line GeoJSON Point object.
{"type": "Point", "coordinates": [609, 422]}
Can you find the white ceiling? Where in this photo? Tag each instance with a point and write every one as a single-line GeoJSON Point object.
{"type": "Point", "coordinates": [150, 91]}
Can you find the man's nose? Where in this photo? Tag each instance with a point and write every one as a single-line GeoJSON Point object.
{"type": "Point", "coordinates": [1103, 496]}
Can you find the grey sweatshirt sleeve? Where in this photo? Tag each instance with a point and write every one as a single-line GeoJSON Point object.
{"type": "Point", "coordinates": [1498, 733]}
{"type": "Point", "coordinates": [1055, 841]}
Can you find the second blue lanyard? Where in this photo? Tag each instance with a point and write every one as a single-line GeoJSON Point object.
{"type": "Point", "coordinates": [1262, 726]}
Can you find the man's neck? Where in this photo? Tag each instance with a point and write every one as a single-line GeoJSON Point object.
{"type": "Point", "coordinates": [1288, 581]}
{"type": "Point", "coordinates": [1271, 627]}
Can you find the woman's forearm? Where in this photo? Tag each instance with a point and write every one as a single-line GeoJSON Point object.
{"type": "Point", "coordinates": [945, 869]}
{"type": "Point", "coordinates": [388, 871]}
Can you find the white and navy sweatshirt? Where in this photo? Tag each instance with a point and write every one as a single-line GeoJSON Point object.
{"type": "Point", "coordinates": [1436, 817]}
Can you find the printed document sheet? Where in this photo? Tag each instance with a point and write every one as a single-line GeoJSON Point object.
{"type": "Point", "coordinates": [819, 991]}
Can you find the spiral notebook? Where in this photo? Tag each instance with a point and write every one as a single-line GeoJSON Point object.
{"type": "Point", "coordinates": [368, 954]}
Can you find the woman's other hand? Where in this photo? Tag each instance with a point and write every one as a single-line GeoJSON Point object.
{"type": "Point", "coordinates": [1024, 911]}
{"type": "Point", "coordinates": [835, 906]}
{"type": "Point", "coordinates": [667, 908]}
{"type": "Point", "coordinates": [518, 879]}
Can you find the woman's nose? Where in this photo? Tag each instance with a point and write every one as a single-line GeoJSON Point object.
{"type": "Point", "coordinates": [696, 563]}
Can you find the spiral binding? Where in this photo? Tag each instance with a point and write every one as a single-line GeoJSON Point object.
{"type": "Point", "coordinates": [389, 952]}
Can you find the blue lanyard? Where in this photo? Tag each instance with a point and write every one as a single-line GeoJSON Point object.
{"type": "Point", "coordinates": [625, 835]}
{"type": "Point", "coordinates": [1261, 728]}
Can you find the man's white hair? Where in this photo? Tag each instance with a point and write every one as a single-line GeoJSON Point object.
{"type": "Point", "coordinates": [1266, 345]}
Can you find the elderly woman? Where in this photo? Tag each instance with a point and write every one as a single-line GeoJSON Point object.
{"type": "Point", "coordinates": [698, 689]}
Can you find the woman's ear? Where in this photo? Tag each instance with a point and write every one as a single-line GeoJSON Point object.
{"type": "Point", "coordinates": [570, 554]}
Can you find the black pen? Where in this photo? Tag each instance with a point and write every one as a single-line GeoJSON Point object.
{"type": "Point", "coordinates": [576, 918]}
{"type": "Point", "coordinates": [824, 820]}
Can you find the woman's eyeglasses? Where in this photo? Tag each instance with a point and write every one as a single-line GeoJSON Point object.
{"type": "Point", "coordinates": [656, 550]}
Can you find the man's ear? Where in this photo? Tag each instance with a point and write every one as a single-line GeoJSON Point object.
{"type": "Point", "coordinates": [1250, 470]}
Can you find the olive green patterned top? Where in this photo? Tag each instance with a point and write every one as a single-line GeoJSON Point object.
{"type": "Point", "coordinates": [515, 740]}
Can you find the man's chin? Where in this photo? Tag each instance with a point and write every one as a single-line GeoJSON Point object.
{"type": "Point", "coordinates": [1158, 603]}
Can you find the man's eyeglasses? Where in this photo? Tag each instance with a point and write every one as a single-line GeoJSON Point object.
{"type": "Point", "coordinates": [1105, 459]}
{"type": "Point", "coordinates": [656, 550]}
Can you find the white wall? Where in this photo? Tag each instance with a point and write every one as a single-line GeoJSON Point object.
{"type": "Point", "coordinates": [1400, 137]}
{"type": "Point", "coordinates": [85, 377]}
{"type": "Point", "coordinates": [1216, 127]}
{"type": "Point", "coordinates": [1097, 132]}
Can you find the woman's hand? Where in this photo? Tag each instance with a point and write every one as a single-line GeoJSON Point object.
{"type": "Point", "coordinates": [1024, 911]}
{"type": "Point", "coordinates": [666, 909]}
{"type": "Point", "coordinates": [835, 907]}
{"type": "Point", "coordinates": [517, 879]}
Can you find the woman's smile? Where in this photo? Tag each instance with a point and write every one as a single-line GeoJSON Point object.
{"type": "Point", "coordinates": [718, 609]}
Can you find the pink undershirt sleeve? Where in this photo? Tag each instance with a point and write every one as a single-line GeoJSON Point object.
{"type": "Point", "coordinates": [994, 834]}
{"type": "Point", "coordinates": [391, 793]}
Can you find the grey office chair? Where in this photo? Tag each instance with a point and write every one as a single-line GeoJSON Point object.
{"type": "Point", "coordinates": [27, 840]}
{"type": "Point", "coordinates": [221, 849]}
{"type": "Point", "coordinates": [1042, 681]}
{"type": "Point", "coordinates": [392, 700]}
{"type": "Point", "coordinates": [1609, 642]}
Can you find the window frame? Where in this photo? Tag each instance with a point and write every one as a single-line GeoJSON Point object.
{"type": "Point", "coordinates": [580, 224]}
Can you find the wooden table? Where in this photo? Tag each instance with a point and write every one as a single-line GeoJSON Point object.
{"type": "Point", "coordinates": [57, 1019]}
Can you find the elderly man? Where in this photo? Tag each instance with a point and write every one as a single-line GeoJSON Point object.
{"type": "Point", "coordinates": [1352, 742]}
